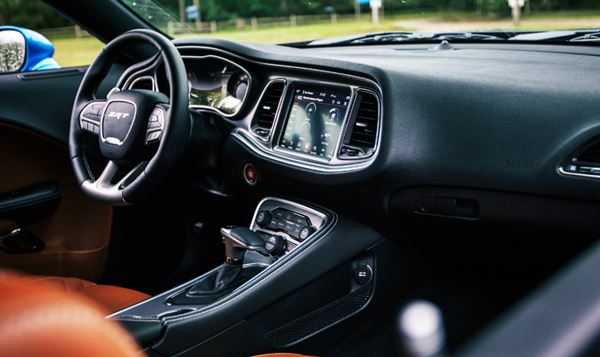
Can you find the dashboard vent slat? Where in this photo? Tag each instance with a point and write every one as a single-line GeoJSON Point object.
{"type": "Point", "coordinates": [262, 123]}
{"type": "Point", "coordinates": [364, 131]}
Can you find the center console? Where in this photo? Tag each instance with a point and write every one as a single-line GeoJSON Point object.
{"type": "Point", "coordinates": [284, 224]}
{"type": "Point", "coordinates": [296, 272]}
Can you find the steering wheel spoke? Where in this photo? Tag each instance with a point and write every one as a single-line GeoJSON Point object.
{"type": "Point", "coordinates": [113, 180]}
{"type": "Point", "coordinates": [89, 118]}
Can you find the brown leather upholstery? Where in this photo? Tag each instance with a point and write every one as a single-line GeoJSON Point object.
{"type": "Point", "coordinates": [44, 320]}
{"type": "Point", "coordinates": [112, 298]}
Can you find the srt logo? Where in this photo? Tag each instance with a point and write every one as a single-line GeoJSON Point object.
{"type": "Point", "coordinates": [117, 115]}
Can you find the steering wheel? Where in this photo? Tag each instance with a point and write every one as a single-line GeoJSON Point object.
{"type": "Point", "coordinates": [140, 132]}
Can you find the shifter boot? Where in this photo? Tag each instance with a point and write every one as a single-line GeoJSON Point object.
{"type": "Point", "coordinates": [227, 276]}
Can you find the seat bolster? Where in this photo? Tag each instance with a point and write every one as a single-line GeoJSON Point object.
{"type": "Point", "coordinates": [37, 320]}
{"type": "Point", "coordinates": [112, 298]}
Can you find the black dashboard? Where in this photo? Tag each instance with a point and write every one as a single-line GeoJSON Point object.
{"type": "Point", "coordinates": [484, 117]}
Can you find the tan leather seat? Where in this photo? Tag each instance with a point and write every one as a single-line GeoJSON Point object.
{"type": "Point", "coordinates": [112, 298]}
{"type": "Point", "coordinates": [43, 320]}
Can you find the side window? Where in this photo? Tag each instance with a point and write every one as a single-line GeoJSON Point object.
{"type": "Point", "coordinates": [34, 37]}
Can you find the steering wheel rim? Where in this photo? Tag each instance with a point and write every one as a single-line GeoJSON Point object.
{"type": "Point", "coordinates": [140, 180]}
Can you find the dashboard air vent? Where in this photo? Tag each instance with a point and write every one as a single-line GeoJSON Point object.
{"type": "Point", "coordinates": [585, 161]}
{"type": "Point", "coordinates": [262, 123]}
{"type": "Point", "coordinates": [363, 134]}
{"type": "Point", "coordinates": [591, 154]}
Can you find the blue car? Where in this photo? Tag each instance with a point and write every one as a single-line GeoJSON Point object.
{"type": "Point", "coordinates": [38, 50]}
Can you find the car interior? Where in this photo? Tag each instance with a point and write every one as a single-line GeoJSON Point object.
{"type": "Point", "coordinates": [447, 197]}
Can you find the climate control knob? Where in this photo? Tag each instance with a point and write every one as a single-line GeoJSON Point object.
{"type": "Point", "coordinates": [275, 245]}
{"type": "Point", "coordinates": [306, 232]}
{"type": "Point", "coordinates": [263, 218]}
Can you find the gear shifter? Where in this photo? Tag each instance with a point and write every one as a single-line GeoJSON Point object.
{"type": "Point", "coordinates": [237, 241]}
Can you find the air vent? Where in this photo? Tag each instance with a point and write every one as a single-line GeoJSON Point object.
{"type": "Point", "coordinates": [262, 123]}
{"type": "Point", "coordinates": [591, 154]}
{"type": "Point", "coordinates": [585, 161]}
{"type": "Point", "coordinates": [363, 133]}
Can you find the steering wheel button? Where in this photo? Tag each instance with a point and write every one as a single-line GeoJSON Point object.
{"type": "Point", "coordinates": [153, 124]}
{"type": "Point", "coordinates": [153, 136]}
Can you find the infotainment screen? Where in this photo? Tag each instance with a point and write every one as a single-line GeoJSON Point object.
{"type": "Point", "coordinates": [314, 123]}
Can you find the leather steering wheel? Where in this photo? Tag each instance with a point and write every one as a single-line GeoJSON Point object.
{"type": "Point", "coordinates": [140, 132]}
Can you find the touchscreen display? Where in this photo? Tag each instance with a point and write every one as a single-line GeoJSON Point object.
{"type": "Point", "coordinates": [315, 120]}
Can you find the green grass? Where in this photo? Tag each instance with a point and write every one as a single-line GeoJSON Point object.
{"type": "Point", "coordinates": [69, 52]}
{"type": "Point", "coordinates": [303, 32]}
{"type": "Point", "coordinates": [566, 14]}
{"type": "Point", "coordinates": [75, 52]}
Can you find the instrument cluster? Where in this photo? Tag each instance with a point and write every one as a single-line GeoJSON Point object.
{"type": "Point", "coordinates": [217, 84]}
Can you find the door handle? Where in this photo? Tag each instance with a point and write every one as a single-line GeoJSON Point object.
{"type": "Point", "coordinates": [20, 241]}
{"type": "Point", "coordinates": [12, 233]}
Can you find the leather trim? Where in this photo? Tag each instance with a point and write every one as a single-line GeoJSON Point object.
{"type": "Point", "coordinates": [110, 297]}
{"type": "Point", "coordinates": [39, 320]}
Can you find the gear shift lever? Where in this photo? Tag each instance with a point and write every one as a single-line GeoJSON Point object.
{"type": "Point", "coordinates": [238, 240]}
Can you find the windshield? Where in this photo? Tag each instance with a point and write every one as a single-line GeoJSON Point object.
{"type": "Point", "coordinates": [288, 21]}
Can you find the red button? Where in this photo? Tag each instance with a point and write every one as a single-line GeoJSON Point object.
{"type": "Point", "coordinates": [250, 174]}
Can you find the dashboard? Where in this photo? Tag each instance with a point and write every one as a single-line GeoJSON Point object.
{"type": "Point", "coordinates": [481, 116]}
{"type": "Point", "coordinates": [290, 115]}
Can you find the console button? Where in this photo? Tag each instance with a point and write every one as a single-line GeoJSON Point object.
{"type": "Point", "coordinates": [280, 213]}
{"type": "Point", "coordinates": [363, 273]}
{"type": "Point", "coordinates": [275, 245]}
{"type": "Point", "coordinates": [263, 218]}
{"type": "Point", "coordinates": [305, 232]}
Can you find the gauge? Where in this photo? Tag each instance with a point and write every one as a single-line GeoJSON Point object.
{"type": "Point", "coordinates": [238, 84]}
{"type": "Point", "coordinates": [216, 84]}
